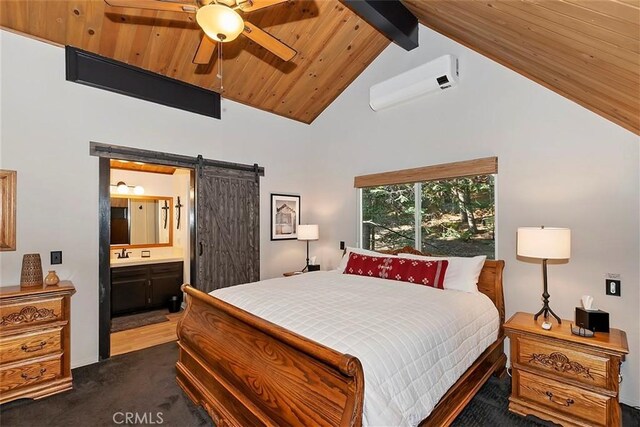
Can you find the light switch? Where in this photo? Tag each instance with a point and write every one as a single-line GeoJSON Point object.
{"type": "Point", "coordinates": [612, 287]}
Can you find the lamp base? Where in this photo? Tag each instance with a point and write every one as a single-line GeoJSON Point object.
{"type": "Point", "coordinates": [545, 297]}
{"type": "Point", "coordinates": [546, 310]}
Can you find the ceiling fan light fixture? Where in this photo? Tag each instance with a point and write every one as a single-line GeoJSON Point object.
{"type": "Point", "coordinates": [219, 22]}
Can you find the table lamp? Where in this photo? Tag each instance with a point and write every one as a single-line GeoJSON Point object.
{"type": "Point", "coordinates": [544, 243]}
{"type": "Point", "coordinates": [308, 232]}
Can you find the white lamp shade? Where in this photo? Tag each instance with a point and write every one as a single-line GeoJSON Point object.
{"type": "Point", "coordinates": [544, 242]}
{"type": "Point", "coordinates": [308, 232]}
{"type": "Point", "coordinates": [220, 22]}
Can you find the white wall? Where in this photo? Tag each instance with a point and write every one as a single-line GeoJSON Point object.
{"type": "Point", "coordinates": [47, 124]}
{"type": "Point", "coordinates": [559, 165]}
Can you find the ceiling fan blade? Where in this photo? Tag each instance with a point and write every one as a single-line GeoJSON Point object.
{"type": "Point", "coordinates": [153, 5]}
{"type": "Point", "coordinates": [205, 51]}
{"type": "Point", "coordinates": [252, 5]}
{"type": "Point", "coordinates": [268, 42]}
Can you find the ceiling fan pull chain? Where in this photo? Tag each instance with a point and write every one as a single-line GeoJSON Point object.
{"type": "Point", "coordinates": [220, 64]}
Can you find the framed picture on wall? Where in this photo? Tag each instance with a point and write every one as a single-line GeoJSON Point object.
{"type": "Point", "coordinates": [285, 216]}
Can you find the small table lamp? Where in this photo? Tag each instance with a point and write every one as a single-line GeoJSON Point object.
{"type": "Point", "coordinates": [544, 243]}
{"type": "Point", "coordinates": [307, 233]}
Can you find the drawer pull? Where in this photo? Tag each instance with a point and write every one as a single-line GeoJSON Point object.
{"type": "Point", "coordinates": [567, 402]}
{"type": "Point", "coordinates": [33, 348]}
{"type": "Point", "coordinates": [28, 378]}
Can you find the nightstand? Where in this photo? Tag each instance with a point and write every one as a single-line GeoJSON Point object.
{"type": "Point", "coordinates": [562, 377]}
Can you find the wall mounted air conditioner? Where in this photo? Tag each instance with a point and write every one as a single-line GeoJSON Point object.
{"type": "Point", "coordinates": [435, 76]}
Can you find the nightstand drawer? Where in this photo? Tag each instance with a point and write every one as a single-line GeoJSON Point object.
{"type": "Point", "coordinates": [572, 401]}
{"type": "Point", "coordinates": [564, 361]}
{"type": "Point", "coordinates": [25, 346]}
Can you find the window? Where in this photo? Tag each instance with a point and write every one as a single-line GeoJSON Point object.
{"type": "Point", "coordinates": [452, 216]}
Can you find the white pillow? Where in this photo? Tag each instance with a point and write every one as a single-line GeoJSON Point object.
{"type": "Point", "coordinates": [345, 258]}
{"type": "Point", "coordinates": [462, 273]}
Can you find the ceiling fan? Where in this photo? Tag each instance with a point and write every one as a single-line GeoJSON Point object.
{"type": "Point", "coordinates": [220, 21]}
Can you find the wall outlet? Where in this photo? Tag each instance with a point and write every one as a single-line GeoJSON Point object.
{"type": "Point", "coordinates": [612, 287]}
{"type": "Point", "coordinates": [342, 245]}
{"type": "Point", "coordinates": [56, 257]}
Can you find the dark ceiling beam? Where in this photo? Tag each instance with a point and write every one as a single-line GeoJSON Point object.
{"type": "Point", "coordinates": [390, 17]}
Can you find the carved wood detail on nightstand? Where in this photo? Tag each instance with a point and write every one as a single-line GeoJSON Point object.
{"type": "Point", "coordinates": [560, 363]}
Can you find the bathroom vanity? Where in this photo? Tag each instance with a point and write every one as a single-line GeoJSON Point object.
{"type": "Point", "coordinates": [141, 285]}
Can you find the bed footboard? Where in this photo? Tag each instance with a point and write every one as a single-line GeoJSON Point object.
{"type": "Point", "coordinates": [244, 370]}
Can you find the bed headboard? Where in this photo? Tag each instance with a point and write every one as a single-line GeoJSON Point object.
{"type": "Point", "coordinates": [489, 283]}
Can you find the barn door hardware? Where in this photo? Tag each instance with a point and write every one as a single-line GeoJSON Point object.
{"type": "Point", "coordinates": [200, 165]}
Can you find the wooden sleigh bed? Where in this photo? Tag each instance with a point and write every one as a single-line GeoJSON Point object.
{"type": "Point", "coordinates": [246, 371]}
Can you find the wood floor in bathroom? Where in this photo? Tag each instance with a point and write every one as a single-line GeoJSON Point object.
{"type": "Point", "coordinates": [145, 336]}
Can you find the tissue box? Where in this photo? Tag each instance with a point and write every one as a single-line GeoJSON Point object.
{"type": "Point", "coordinates": [593, 320]}
{"type": "Point", "coordinates": [314, 267]}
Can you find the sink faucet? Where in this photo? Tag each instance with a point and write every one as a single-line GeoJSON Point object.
{"type": "Point", "coordinates": [123, 254]}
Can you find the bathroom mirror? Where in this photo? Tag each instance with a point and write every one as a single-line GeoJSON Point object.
{"type": "Point", "coordinates": [141, 221]}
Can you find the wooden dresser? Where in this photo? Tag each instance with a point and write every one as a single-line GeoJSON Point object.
{"type": "Point", "coordinates": [562, 377]}
{"type": "Point", "coordinates": [35, 341]}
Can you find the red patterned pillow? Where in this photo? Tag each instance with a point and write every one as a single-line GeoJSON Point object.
{"type": "Point", "coordinates": [366, 265]}
{"type": "Point", "coordinates": [428, 273]}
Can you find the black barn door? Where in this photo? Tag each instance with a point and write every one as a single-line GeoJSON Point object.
{"type": "Point", "coordinates": [227, 227]}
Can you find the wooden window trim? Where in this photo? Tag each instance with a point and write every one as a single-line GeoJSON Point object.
{"type": "Point", "coordinates": [483, 166]}
{"type": "Point", "coordinates": [8, 198]}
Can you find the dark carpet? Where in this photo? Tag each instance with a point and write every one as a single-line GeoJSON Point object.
{"type": "Point", "coordinates": [123, 323]}
{"type": "Point", "coordinates": [143, 383]}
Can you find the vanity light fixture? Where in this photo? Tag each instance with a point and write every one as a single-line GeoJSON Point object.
{"type": "Point", "coordinates": [122, 188]}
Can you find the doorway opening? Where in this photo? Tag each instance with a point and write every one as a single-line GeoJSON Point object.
{"type": "Point", "coordinates": [149, 252]}
{"type": "Point", "coordinates": [147, 210]}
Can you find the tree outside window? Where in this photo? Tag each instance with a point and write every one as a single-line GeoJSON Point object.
{"type": "Point", "coordinates": [454, 216]}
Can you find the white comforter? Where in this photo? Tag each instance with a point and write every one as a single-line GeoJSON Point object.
{"type": "Point", "coordinates": [414, 342]}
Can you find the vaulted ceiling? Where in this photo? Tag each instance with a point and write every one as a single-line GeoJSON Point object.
{"type": "Point", "coordinates": [585, 50]}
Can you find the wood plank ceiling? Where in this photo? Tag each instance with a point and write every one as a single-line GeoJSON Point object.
{"type": "Point", "coordinates": [585, 50]}
{"type": "Point", "coordinates": [334, 46]}
{"type": "Point", "coordinates": [142, 167]}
